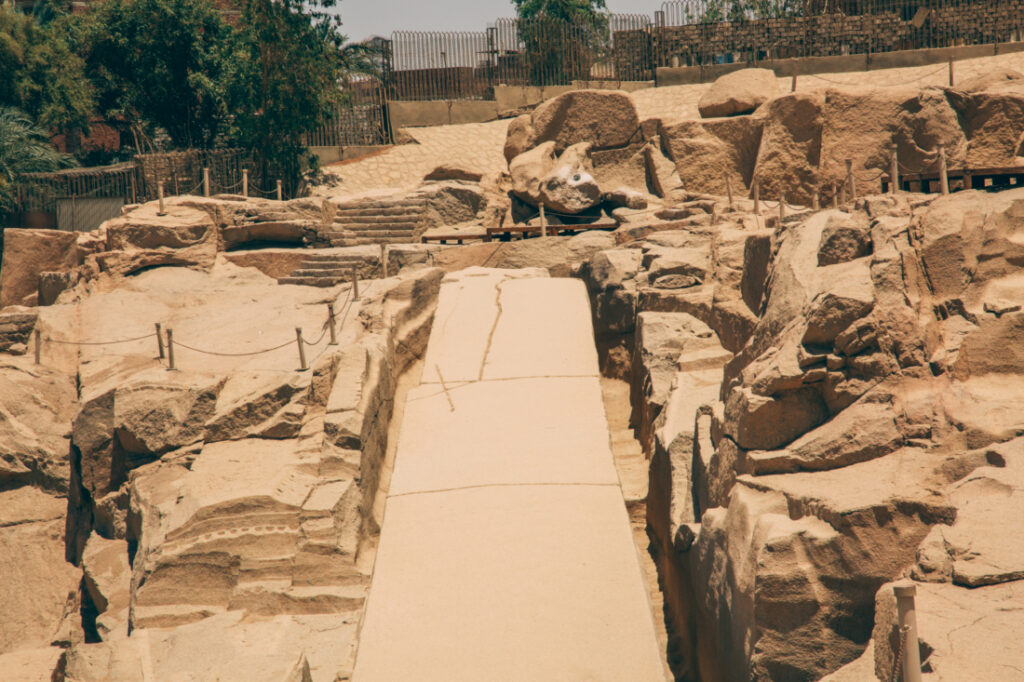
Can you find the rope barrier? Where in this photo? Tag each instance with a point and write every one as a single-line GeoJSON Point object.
{"type": "Point", "coordinates": [232, 355]}
{"type": "Point", "coordinates": [97, 343]}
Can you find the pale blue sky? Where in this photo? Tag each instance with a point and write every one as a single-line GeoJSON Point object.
{"type": "Point", "coordinates": [364, 18]}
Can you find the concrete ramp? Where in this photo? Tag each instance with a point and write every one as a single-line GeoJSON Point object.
{"type": "Point", "coordinates": [506, 552]}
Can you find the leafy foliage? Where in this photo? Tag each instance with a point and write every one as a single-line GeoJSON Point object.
{"type": "Point", "coordinates": [47, 73]}
{"type": "Point", "coordinates": [161, 63]}
{"type": "Point", "coordinates": [563, 38]}
{"type": "Point", "coordinates": [24, 148]}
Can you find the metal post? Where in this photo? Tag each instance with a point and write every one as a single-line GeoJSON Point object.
{"type": "Point", "coordinates": [302, 349]}
{"type": "Point", "coordinates": [907, 620]}
{"type": "Point", "coordinates": [245, 182]}
{"type": "Point", "coordinates": [160, 197]}
{"type": "Point", "coordinates": [170, 348]}
{"type": "Point", "coordinates": [280, 191]}
{"type": "Point", "coordinates": [355, 284]}
{"type": "Point", "coordinates": [850, 180]}
{"type": "Point", "coordinates": [757, 197]}
{"type": "Point", "coordinates": [894, 171]}
{"type": "Point", "coordinates": [384, 260]}
{"type": "Point", "coordinates": [159, 340]}
{"type": "Point", "coordinates": [543, 222]}
{"type": "Point", "coordinates": [943, 175]}
{"type": "Point", "coordinates": [728, 189]}
{"type": "Point", "coordinates": [39, 345]}
{"type": "Point", "coordinates": [331, 324]}
{"type": "Point", "coordinates": [206, 182]}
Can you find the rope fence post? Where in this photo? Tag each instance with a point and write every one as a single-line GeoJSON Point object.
{"type": "Point", "coordinates": [907, 620]}
{"type": "Point", "coordinates": [160, 197]}
{"type": "Point", "coordinates": [302, 351]}
{"type": "Point", "coordinates": [159, 341]}
{"type": "Point", "coordinates": [543, 221]}
{"type": "Point", "coordinates": [816, 199]}
{"type": "Point", "coordinates": [714, 214]}
{"type": "Point", "coordinates": [170, 349]}
{"type": "Point", "coordinates": [782, 209]}
{"type": "Point", "coordinates": [851, 181]}
{"type": "Point", "coordinates": [355, 284]}
{"type": "Point", "coordinates": [894, 170]}
{"type": "Point", "coordinates": [757, 197]}
{"type": "Point", "coordinates": [206, 184]}
{"type": "Point", "coordinates": [331, 324]}
{"type": "Point", "coordinates": [384, 260]}
{"type": "Point", "coordinates": [950, 73]}
{"type": "Point", "coordinates": [280, 191]}
{"type": "Point", "coordinates": [835, 196]}
{"type": "Point", "coordinates": [39, 346]}
{"type": "Point", "coordinates": [968, 181]}
{"type": "Point", "coordinates": [793, 86]}
{"type": "Point", "coordinates": [728, 189]}
{"type": "Point", "coordinates": [245, 182]}
{"type": "Point", "coordinates": [943, 173]}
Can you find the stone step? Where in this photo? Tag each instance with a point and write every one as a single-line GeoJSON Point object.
{"type": "Point", "coordinates": [384, 225]}
{"type": "Point", "coordinates": [340, 273]}
{"type": "Point", "coordinates": [380, 204]}
{"type": "Point", "coordinates": [323, 282]}
{"type": "Point", "coordinates": [365, 241]}
{"type": "Point", "coordinates": [374, 212]}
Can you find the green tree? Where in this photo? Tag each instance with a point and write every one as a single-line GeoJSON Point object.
{"type": "Point", "coordinates": [562, 39]}
{"type": "Point", "coordinates": [47, 78]}
{"type": "Point", "coordinates": [286, 68]}
{"type": "Point", "coordinates": [559, 9]}
{"type": "Point", "coordinates": [24, 148]}
{"type": "Point", "coordinates": [161, 65]}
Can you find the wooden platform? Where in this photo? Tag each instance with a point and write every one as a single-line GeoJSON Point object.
{"type": "Point", "coordinates": [455, 237]}
{"type": "Point", "coordinates": [998, 177]}
{"type": "Point", "coordinates": [506, 232]}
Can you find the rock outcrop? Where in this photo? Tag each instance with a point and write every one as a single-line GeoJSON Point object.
{"type": "Point", "coordinates": [739, 92]}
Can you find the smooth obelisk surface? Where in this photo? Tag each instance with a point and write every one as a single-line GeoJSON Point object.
{"type": "Point", "coordinates": [506, 552]}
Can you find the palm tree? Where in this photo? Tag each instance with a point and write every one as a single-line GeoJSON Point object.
{"type": "Point", "coordinates": [24, 148]}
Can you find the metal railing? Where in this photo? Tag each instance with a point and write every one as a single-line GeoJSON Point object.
{"type": "Point", "coordinates": [544, 51]}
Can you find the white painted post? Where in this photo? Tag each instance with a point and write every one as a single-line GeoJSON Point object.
{"type": "Point", "coordinates": [160, 197]}
{"type": "Point", "coordinates": [280, 191]}
{"type": "Point", "coordinates": [907, 620]}
{"type": "Point", "coordinates": [245, 182]}
{"type": "Point", "coordinates": [816, 199]}
{"type": "Point", "coordinates": [206, 182]}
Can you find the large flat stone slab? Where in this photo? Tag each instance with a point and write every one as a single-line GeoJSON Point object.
{"type": "Point", "coordinates": [504, 433]}
{"type": "Point", "coordinates": [501, 324]}
{"type": "Point", "coordinates": [508, 583]}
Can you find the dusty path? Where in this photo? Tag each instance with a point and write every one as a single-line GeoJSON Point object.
{"type": "Point", "coordinates": [506, 551]}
